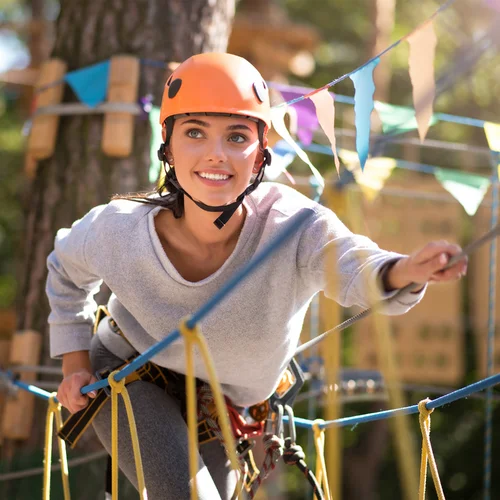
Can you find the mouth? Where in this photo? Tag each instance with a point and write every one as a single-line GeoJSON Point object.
{"type": "Point", "coordinates": [212, 178]}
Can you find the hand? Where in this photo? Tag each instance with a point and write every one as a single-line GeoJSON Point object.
{"type": "Point", "coordinates": [426, 264]}
{"type": "Point", "coordinates": [69, 394]}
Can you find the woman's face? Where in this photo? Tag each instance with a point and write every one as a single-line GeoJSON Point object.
{"type": "Point", "coordinates": [214, 156]}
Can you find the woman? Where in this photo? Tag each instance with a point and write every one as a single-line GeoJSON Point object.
{"type": "Point", "coordinates": [163, 255]}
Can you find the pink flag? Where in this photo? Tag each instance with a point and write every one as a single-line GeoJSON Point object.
{"type": "Point", "coordinates": [421, 63]}
{"type": "Point", "coordinates": [325, 111]}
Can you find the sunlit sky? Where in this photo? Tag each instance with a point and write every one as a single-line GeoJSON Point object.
{"type": "Point", "coordinates": [13, 53]}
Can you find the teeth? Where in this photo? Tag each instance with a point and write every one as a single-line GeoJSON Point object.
{"type": "Point", "coordinates": [213, 177]}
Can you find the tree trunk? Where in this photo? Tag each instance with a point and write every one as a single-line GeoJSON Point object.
{"type": "Point", "coordinates": [78, 176]}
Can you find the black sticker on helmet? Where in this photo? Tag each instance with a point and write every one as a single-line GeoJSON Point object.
{"type": "Point", "coordinates": [260, 90]}
{"type": "Point", "coordinates": [174, 88]}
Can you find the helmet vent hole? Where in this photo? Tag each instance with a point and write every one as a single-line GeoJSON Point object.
{"type": "Point", "coordinates": [169, 80]}
{"type": "Point", "coordinates": [174, 88]}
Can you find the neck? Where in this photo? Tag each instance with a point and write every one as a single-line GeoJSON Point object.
{"type": "Point", "coordinates": [199, 225]}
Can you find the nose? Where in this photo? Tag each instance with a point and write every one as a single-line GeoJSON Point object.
{"type": "Point", "coordinates": [215, 151]}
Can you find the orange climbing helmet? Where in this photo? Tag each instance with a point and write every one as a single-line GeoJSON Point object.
{"type": "Point", "coordinates": [216, 83]}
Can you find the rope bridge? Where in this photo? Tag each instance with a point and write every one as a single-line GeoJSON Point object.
{"type": "Point", "coordinates": [189, 329]}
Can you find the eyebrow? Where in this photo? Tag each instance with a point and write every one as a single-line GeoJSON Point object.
{"type": "Point", "coordinates": [194, 121]}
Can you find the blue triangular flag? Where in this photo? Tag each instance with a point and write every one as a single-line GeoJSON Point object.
{"type": "Point", "coordinates": [363, 107]}
{"type": "Point", "coordinates": [91, 83]}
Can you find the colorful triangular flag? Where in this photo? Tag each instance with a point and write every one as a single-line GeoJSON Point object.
{"type": "Point", "coordinates": [467, 189]}
{"type": "Point", "coordinates": [398, 119]}
{"type": "Point", "coordinates": [325, 110]}
{"type": "Point", "coordinates": [373, 177]}
{"type": "Point", "coordinates": [278, 117]}
{"type": "Point", "coordinates": [421, 68]}
{"type": "Point", "coordinates": [90, 84]}
{"type": "Point", "coordinates": [363, 107]}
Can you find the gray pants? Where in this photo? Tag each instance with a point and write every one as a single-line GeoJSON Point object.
{"type": "Point", "coordinates": [163, 442]}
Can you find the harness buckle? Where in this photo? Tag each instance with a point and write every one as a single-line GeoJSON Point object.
{"type": "Point", "coordinates": [103, 375]}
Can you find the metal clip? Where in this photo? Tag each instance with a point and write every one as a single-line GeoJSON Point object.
{"type": "Point", "coordinates": [103, 375]}
{"type": "Point", "coordinates": [288, 397]}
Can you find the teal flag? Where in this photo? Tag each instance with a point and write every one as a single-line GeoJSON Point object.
{"type": "Point", "coordinates": [90, 84]}
{"type": "Point", "coordinates": [467, 189]}
{"type": "Point", "coordinates": [398, 119]}
{"type": "Point", "coordinates": [363, 107]}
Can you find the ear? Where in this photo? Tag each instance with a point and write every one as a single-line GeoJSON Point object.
{"type": "Point", "coordinates": [164, 133]}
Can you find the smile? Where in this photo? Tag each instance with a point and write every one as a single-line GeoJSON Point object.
{"type": "Point", "coordinates": [214, 177]}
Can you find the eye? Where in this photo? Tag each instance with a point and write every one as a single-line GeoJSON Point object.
{"type": "Point", "coordinates": [194, 133]}
{"type": "Point", "coordinates": [237, 138]}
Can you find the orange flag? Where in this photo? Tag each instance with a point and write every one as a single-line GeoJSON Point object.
{"type": "Point", "coordinates": [325, 111]}
{"type": "Point", "coordinates": [421, 67]}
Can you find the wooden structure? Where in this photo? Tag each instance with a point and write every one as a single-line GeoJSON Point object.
{"type": "Point", "coordinates": [479, 275]}
{"type": "Point", "coordinates": [264, 35]}
{"type": "Point", "coordinates": [429, 339]}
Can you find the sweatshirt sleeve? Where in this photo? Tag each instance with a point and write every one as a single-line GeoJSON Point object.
{"type": "Point", "coordinates": [347, 266]}
{"type": "Point", "coordinates": [71, 286]}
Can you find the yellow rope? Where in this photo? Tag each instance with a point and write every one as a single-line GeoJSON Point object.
{"type": "Point", "coordinates": [427, 453]}
{"type": "Point", "coordinates": [319, 442]}
{"type": "Point", "coordinates": [54, 409]}
{"type": "Point", "coordinates": [194, 337]}
{"type": "Point", "coordinates": [118, 387]}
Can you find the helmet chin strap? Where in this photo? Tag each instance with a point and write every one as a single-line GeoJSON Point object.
{"type": "Point", "coordinates": [227, 210]}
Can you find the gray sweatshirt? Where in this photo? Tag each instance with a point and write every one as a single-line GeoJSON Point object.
{"type": "Point", "coordinates": [253, 334]}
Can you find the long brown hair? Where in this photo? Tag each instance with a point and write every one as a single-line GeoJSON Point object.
{"type": "Point", "coordinates": [167, 195]}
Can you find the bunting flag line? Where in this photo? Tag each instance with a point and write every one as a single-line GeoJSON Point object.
{"type": "Point", "coordinates": [282, 155]}
{"type": "Point", "coordinates": [398, 119]}
{"type": "Point", "coordinates": [492, 132]}
{"type": "Point", "coordinates": [325, 111]}
{"type": "Point", "coordinates": [90, 84]}
{"type": "Point", "coordinates": [364, 88]}
{"type": "Point", "coordinates": [421, 68]}
{"type": "Point", "coordinates": [307, 120]}
{"type": "Point", "coordinates": [374, 175]}
{"type": "Point", "coordinates": [278, 117]}
{"type": "Point", "coordinates": [468, 189]}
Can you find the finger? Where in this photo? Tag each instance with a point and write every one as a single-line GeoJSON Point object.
{"type": "Point", "coordinates": [76, 396]}
{"type": "Point", "coordinates": [435, 264]}
{"type": "Point", "coordinates": [455, 272]}
{"type": "Point", "coordinates": [61, 395]}
{"type": "Point", "coordinates": [93, 393]}
{"type": "Point", "coordinates": [435, 248]}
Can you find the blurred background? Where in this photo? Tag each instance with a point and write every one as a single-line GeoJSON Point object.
{"type": "Point", "coordinates": [55, 167]}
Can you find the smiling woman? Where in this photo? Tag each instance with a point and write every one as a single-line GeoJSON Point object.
{"type": "Point", "coordinates": [166, 256]}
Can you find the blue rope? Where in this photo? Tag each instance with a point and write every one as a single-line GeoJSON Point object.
{"type": "Point", "coordinates": [407, 410]}
{"type": "Point", "coordinates": [488, 432]}
{"type": "Point", "coordinates": [288, 230]}
{"type": "Point", "coordinates": [405, 165]}
{"type": "Point", "coordinates": [33, 389]}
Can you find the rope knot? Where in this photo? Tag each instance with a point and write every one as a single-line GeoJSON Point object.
{"type": "Point", "coordinates": [293, 452]}
{"type": "Point", "coordinates": [116, 385]}
{"type": "Point", "coordinates": [272, 442]}
{"type": "Point", "coordinates": [422, 408]}
{"type": "Point", "coordinates": [318, 427]}
{"type": "Point", "coordinates": [189, 334]}
{"type": "Point", "coordinates": [54, 404]}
